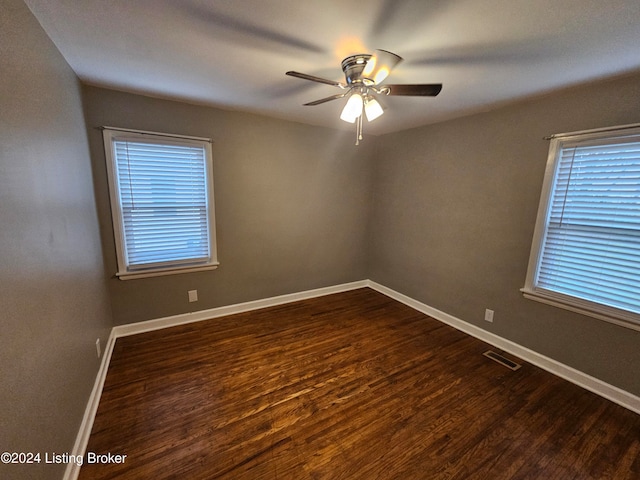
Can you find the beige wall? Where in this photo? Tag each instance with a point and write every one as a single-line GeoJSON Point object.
{"type": "Point", "coordinates": [443, 213]}
{"type": "Point", "coordinates": [53, 296]}
{"type": "Point", "coordinates": [455, 207]}
{"type": "Point", "coordinates": [292, 203]}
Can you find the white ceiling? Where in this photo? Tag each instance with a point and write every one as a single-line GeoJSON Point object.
{"type": "Point", "coordinates": [234, 54]}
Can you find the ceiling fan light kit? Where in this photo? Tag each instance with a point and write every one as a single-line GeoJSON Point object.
{"type": "Point", "coordinates": [363, 74]}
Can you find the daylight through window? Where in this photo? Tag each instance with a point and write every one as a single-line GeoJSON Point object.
{"type": "Point", "coordinates": [161, 190]}
{"type": "Point", "coordinates": [586, 249]}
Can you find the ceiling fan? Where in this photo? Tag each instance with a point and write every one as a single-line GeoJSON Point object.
{"type": "Point", "coordinates": [364, 75]}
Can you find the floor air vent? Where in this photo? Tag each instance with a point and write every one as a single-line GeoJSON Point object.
{"type": "Point", "coordinates": [502, 360]}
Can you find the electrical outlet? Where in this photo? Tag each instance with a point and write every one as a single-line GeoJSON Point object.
{"type": "Point", "coordinates": [193, 295]}
{"type": "Point", "coordinates": [488, 315]}
{"type": "Point", "coordinates": [98, 348]}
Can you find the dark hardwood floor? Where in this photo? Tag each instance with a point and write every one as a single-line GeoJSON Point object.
{"type": "Point", "coordinates": [348, 386]}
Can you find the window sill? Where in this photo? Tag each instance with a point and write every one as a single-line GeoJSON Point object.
{"type": "Point", "coordinates": [577, 308]}
{"type": "Point", "coordinates": [164, 271]}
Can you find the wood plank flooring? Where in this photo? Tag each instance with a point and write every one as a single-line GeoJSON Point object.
{"type": "Point", "coordinates": [348, 386]}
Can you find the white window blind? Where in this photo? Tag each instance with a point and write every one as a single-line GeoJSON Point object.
{"type": "Point", "coordinates": [588, 250]}
{"type": "Point", "coordinates": [163, 208]}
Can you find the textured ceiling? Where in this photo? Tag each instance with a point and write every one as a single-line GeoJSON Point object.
{"type": "Point", "coordinates": [234, 54]}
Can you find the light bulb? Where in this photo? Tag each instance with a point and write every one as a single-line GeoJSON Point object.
{"type": "Point", "coordinates": [353, 108]}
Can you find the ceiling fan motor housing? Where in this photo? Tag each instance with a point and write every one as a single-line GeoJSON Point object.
{"type": "Point", "coordinates": [352, 67]}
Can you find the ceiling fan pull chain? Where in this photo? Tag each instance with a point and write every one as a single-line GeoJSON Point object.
{"type": "Point", "coordinates": [358, 130]}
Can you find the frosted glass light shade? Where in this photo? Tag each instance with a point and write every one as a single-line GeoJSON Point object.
{"type": "Point", "coordinates": [372, 109]}
{"type": "Point", "coordinates": [353, 109]}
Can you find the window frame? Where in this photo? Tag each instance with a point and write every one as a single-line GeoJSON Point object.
{"type": "Point", "coordinates": [124, 272]}
{"type": "Point", "coordinates": [531, 289]}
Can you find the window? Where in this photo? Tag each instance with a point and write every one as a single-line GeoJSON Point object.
{"type": "Point", "coordinates": [161, 189]}
{"type": "Point", "coordinates": [586, 247]}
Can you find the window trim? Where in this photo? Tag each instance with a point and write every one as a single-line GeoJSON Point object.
{"type": "Point", "coordinates": [110, 134]}
{"type": "Point", "coordinates": [531, 290]}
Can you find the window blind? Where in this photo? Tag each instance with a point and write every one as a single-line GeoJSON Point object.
{"type": "Point", "coordinates": [162, 189]}
{"type": "Point", "coordinates": [591, 245]}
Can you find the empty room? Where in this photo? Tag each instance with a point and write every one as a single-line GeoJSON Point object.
{"type": "Point", "coordinates": [320, 240]}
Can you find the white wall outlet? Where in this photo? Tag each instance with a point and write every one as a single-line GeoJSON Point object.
{"type": "Point", "coordinates": [488, 315]}
{"type": "Point", "coordinates": [193, 295]}
{"type": "Point", "coordinates": [98, 347]}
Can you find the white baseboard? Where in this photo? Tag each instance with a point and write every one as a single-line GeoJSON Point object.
{"type": "Point", "coordinates": [79, 448]}
{"type": "Point", "coordinates": [610, 392]}
{"type": "Point", "coordinates": [570, 374]}
{"type": "Point", "coordinates": [157, 324]}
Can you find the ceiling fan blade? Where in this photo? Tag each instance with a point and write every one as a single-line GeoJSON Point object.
{"type": "Point", "coordinates": [420, 90]}
{"type": "Point", "coordinates": [327, 99]}
{"type": "Point", "coordinates": [305, 76]}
